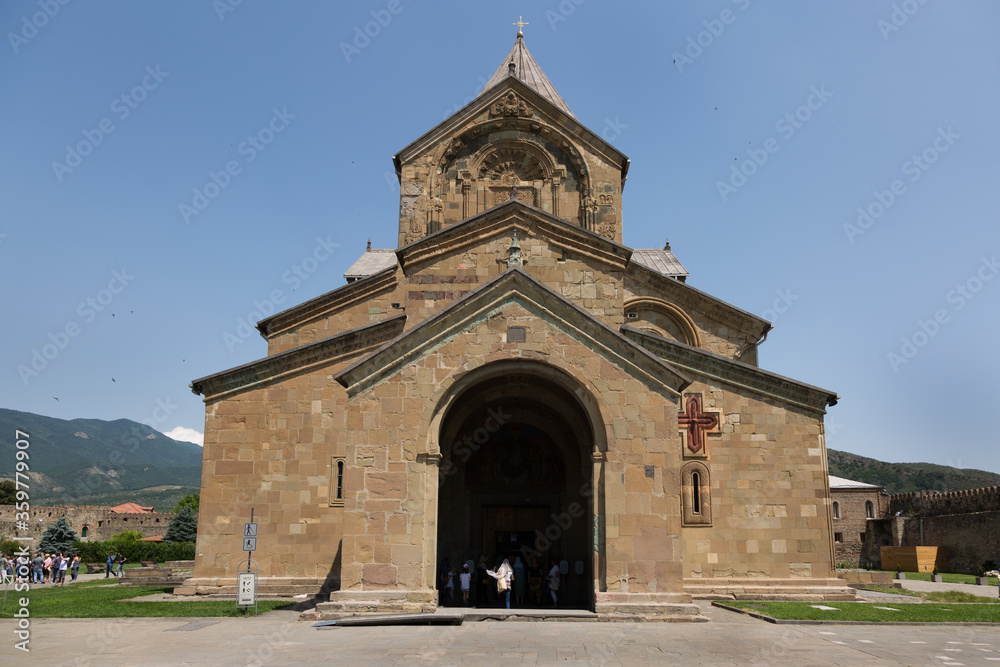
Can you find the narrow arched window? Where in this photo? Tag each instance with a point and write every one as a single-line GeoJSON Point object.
{"type": "Point", "coordinates": [84, 531]}
{"type": "Point", "coordinates": [340, 480]}
{"type": "Point", "coordinates": [696, 492]}
{"type": "Point", "coordinates": [338, 467]}
{"type": "Point", "coordinates": [869, 510]}
{"type": "Point", "coordinates": [836, 510]}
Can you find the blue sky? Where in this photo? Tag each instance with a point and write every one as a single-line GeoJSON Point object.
{"type": "Point", "coordinates": [756, 132]}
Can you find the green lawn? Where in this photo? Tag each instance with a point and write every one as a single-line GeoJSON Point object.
{"type": "Point", "coordinates": [103, 599]}
{"type": "Point", "coordinates": [947, 578]}
{"type": "Point", "coordinates": [867, 612]}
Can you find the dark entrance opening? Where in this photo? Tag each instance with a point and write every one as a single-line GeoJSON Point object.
{"type": "Point", "coordinates": [515, 482]}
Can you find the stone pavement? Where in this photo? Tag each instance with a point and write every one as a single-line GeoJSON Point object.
{"type": "Point", "coordinates": [279, 639]}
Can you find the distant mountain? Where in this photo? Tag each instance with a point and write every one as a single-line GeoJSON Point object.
{"type": "Point", "coordinates": [97, 462]}
{"type": "Point", "coordinates": [906, 477]}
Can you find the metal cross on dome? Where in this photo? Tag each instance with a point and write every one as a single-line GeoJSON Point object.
{"type": "Point", "coordinates": [697, 423]}
{"type": "Point", "coordinates": [520, 24]}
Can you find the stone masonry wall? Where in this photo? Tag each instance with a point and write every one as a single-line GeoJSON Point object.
{"type": "Point", "coordinates": [769, 492]}
{"type": "Point", "coordinates": [852, 524]}
{"type": "Point", "coordinates": [100, 521]}
{"type": "Point", "coordinates": [929, 503]}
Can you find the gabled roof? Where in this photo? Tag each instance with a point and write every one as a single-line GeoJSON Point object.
{"type": "Point", "coordinates": [296, 360]}
{"type": "Point", "coordinates": [374, 260]}
{"type": "Point", "coordinates": [663, 262]}
{"type": "Point", "coordinates": [131, 508]}
{"type": "Point", "coordinates": [841, 483]}
{"type": "Point", "coordinates": [513, 286]}
{"type": "Point", "coordinates": [528, 71]}
{"type": "Point", "coordinates": [737, 373]}
{"type": "Point", "coordinates": [503, 217]}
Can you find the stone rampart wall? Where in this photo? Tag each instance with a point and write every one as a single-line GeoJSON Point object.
{"type": "Point", "coordinates": [936, 503]}
{"type": "Point", "coordinates": [101, 522]}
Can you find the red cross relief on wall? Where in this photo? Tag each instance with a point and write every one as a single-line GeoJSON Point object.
{"type": "Point", "coordinates": [696, 422]}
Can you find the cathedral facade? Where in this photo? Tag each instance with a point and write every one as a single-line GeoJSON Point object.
{"type": "Point", "coordinates": [512, 380]}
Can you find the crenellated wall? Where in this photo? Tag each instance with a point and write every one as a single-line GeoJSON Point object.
{"type": "Point", "coordinates": [100, 521]}
{"type": "Point", "coordinates": [935, 503]}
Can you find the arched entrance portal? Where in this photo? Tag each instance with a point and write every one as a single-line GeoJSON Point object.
{"type": "Point", "coordinates": [515, 480]}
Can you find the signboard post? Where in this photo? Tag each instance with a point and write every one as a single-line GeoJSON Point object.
{"type": "Point", "coordinates": [246, 590]}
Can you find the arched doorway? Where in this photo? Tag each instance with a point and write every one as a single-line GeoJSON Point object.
{"type": "Point", "coordinates": [516, 481]}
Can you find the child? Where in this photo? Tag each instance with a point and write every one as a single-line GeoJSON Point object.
{"type": "Point", "coordinates": [466, 579]}
{"type": "Point", "coordinates": [450, 585]}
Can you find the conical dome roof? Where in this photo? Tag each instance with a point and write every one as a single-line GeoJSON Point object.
{"type": "Point", "coordinates": [529, 73]}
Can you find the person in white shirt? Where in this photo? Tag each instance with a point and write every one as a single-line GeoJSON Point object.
{"type": "Point", "coordinates": [466, 579]}
{"type": "Point", "coordinates": [504, 575]}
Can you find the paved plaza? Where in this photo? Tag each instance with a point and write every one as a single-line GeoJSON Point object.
{"type": "Point", "coordinates": [278, 638]}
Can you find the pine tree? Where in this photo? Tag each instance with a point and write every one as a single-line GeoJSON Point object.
{"type": "Point", "coordinates": [58, 538]}
{"type": "Point", "coordinates": [183, 527]}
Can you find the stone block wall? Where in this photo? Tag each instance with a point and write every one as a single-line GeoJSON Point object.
{"type": "Point", "coordinates": [100, 521]}
{"type": "Point", "coordinates": [769, 493]}
{"type": "Point", "coordinates": [851, 526]}
{"type": "Point", "coordinates": [931, 503]}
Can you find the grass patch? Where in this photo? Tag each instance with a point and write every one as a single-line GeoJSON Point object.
{"type": "Point", "coordinates": [946, 577]}
{"type": "Point", "coordinates": [936, 596]}
{"type": "Point", "coordinates": [101, 599]}
{"type": "Point", "coordinates": [867, 612]}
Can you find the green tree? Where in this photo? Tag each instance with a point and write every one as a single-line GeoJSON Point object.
{"type": "Point", "coordinates": [58, 538]}
{"type": "Point", "coordinates": [184, 527]}
{"type": "Point", "coordinates": [190, 500]}
{"type": "Point", "coordinates": [7, 495]}
{"type": "Point", "coordinates": [127, 536]}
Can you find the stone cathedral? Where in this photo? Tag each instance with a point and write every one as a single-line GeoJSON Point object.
{"type": "Point", "coordinates": [512, 380]}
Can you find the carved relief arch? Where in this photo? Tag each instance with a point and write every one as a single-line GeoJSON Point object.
{"type": "Point", "coordinates": [672, 322]}
{"type": "Point", "coordinates": [476, 169]}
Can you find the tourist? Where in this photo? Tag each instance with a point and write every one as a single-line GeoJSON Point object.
{"type": "Point", "coordinates": [520, 582]}
{"type": "Point", "coordinates": [482, 583]}
{"type": "Point", "coordinates": [76, 566]}
{"type": "Point", "coordinates": [54, 563]}
{"type": "Point", "coordinates": [504, 575]}
{"type": "Point", "coordinates": [449, 585]}
{"type": "Point", "coordinates": [37, 569]}
{"type": "Point", "coordinates": [121, 563]}
{"type": "Point", "coordinates": [47, 568]}
{"type": "Point", "coordinates": [110, 564]}
{"type": "Point", "coordinates": [23, 567]}
{"type": "Point", "coordinates": [534, 581]}
{"type": "Point", "coordinates": [466, 580]}
{"type": "Point", "coordinates": [63, 566]}
{"type": "Point", "coordinates": [554, 576]}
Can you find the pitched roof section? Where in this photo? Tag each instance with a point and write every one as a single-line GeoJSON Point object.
{"type": "Point", "coordinates": [374, 260]}
{"type": "Point", "coordinates": [693, 359]}
{"type": "Point", "coordinates": [528, 71]}
{"type": "Point", "coordinates": [515, 285]}
{"type": "Point", "coordinates": [841, 483]}
{"type": "Point", "coordinates": [131, 508]}
{"type": "Point", "coordinates": [663, 262]}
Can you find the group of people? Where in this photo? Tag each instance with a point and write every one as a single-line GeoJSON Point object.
{"type": "Point", "coordinates": [115, 564]}
{"type": "Point", "coordinates": [42, 569]}
{"type": "Point", "coordinates": [518, 580]}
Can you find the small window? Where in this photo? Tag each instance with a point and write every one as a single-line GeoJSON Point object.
{"type": "Point", "coordinates": [838, 537]}
{"type": "Point", "coordinates": [84, 531]}
{"type": "Point", "coordinates": [337, 467]}
{"type": "Point", "coordinates": [633, 316]}
{"type": "Point", "coordinates": [836, 510]}
{"type": "Point", "coordinates": [862, 538]}
{"type": "Point", "coordinates": [696, 489]}
{"type": "Point", "coordinates": [869, 510]}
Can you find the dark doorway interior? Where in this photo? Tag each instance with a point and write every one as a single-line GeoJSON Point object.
{"type": "Point", "coordinates": [514, 483]}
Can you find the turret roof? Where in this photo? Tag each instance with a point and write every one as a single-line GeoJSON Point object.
{"type": "Point", "coordinates": [527, 71]}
